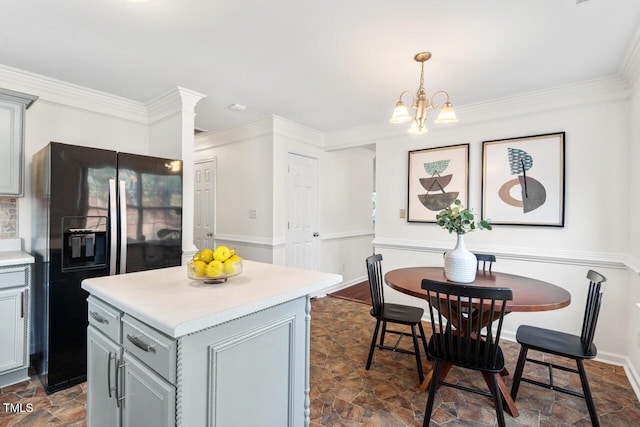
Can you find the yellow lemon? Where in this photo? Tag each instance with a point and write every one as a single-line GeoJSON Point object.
{"type": "Point", "coordinates": [214, 268]}
{"type": "Point", "coordinates": [222, 253]}
{"type": "Point", "coordinates": [198, 268]}
{"type": "Point", "coordinates": [205, 255]}
{"type": "Point", "coordinates": [232, 265]}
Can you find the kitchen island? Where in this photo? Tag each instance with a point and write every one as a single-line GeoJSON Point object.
{"type": "Point", "coordinates": [166, 350]}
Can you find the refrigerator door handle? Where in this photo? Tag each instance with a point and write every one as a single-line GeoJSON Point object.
{"type": "Point", "coordinates": [113, 227]}
{"type": "Point", "coordinates": [123, 228]}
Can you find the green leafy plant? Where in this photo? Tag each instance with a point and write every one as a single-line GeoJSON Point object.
{"type": "Point", "coordinates": [457, 219]}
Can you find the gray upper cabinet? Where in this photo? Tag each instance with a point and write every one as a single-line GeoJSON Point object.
{"type": "Point", "coordinates": [13, 106]}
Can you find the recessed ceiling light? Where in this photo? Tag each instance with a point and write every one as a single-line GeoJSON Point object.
{"type": "Point", "coordinates": [237, 107]}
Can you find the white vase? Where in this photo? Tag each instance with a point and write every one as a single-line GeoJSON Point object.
{"type": "Point", "coordinates": [460, 264]}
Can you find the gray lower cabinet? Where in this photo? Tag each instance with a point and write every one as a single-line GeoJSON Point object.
{"type": "Point", "coordinates": [104, 355]}
{"type": "Point", "coordinates": [122, 390]}
{"type": "Point", "coordinates": [148, 399]}
{"type": "Point", "coordinates": [14, 324]}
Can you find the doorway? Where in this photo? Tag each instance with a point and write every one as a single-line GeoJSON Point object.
{"type": "Point", "coordinates": [204, 204]}
{"type": "Point", "coordinates": [302, 237]}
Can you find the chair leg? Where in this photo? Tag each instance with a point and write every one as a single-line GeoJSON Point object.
{"type": "Point", "coordinates": [432, 393]}
{"type": "Point", "coordinates": [424, 341]}
{"type": "Point", "coordinates": [416, 350]}
{"type": "Point", "coordinates": [373, 344]}
{"type": "Point", "coordinates": [497, 399]}
{"type": "Point", "coordinates": [384, 331]}
{"type": "Point", "coordinates": [522, 358]}
{"type": "Point", "coordinates": [587, 394]}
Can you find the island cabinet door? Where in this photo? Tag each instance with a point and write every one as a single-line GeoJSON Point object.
{"type": "Point", "coordinates": [148, 399]}
{"type": "Point", "coordinates": [103, 356]}
{"type": "Point", "coordinates": [251, 371]}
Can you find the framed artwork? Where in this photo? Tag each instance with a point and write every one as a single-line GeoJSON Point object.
{"type": "Point", "coordinates": [523, 180]}
{"type": "Point", "coordinates": [437, 177]}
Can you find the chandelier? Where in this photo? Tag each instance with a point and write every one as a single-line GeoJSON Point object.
{"type": "Point", "coordinates": [421, 104]}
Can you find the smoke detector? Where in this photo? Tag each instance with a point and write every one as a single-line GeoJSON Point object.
{"type": "Point", "coordinates": [237, 107]}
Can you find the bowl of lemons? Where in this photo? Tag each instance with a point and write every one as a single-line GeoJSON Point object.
{"type": "Point", "coordinates": [215, 265]}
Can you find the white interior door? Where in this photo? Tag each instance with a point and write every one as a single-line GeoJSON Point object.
{"type": "Point", "coordinates": [303, 242]}
{"type": "Point", "coordinates": [204, 204]}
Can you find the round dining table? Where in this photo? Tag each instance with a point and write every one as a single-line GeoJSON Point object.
{"type": "Point", "coordinates": [529, 295]}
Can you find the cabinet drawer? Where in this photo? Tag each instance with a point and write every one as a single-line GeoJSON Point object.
{"type": "Point", "coordinates": [153, 348]}
{"type": "Point", "coordinates": [105, 318]}
{"type": "Point", "coordinates": [12, 277]}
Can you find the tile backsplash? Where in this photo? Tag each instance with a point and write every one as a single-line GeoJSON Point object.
{"type": "Point", "coordinates": [8, 218]}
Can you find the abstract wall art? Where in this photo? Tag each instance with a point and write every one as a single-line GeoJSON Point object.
{"type": "Point", "coordinates": [523, 180]}
{"type": "Point", "coordinates": [437, 177]}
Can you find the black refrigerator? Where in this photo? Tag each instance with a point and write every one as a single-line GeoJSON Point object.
{"type": "Point", "coordinates": [95, 213]}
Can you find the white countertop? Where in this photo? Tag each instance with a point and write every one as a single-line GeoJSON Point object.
{"type": "Point", "coordinates": [11, 253]}
{"type": "Point", "coordinates": [176, 305]}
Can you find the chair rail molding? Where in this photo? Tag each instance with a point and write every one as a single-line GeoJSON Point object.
{"type": "Point", "coordinates": [594, 259]}
{"type": "Point", "coordinates": [257, 241]}
{"type": "Point", "coordinates": [633, 264]}
{"type": "Point", "coordinates": [274, 242]}
{"type": "Point", "coordinates": [343, 235]}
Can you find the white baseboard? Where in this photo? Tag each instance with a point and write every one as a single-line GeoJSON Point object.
{"type": "Point", "coordinates": [634, 379]}
{"type": "Point", "coordinates": [338, 287]}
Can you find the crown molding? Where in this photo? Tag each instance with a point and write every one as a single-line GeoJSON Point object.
{"type": "Point", "coordinates": [272, 125]}
{"type": "Point", "coordinates": [607, 89]}
{"type": "Point", "coordinates": [630, 69]}
{"type": "Point", "coordinates": [255, 129]}
{"type": "Point", "coordinates": [57, 92]}
{"type": "Point", "coordinates": [172, 103]}
{"type": "Point", "coordinates": [289, 129]}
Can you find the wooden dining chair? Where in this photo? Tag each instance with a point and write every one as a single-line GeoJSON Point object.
{"type": "Point", "coordinates": [392, 313]}
{"type": "Point", "coordinates": [564, 345]}
{"type": "Point", "coordinates": [457, 339]}
{"type": "Point", "coordinates": [485, 260]}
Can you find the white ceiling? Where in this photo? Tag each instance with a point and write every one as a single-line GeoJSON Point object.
{"type": "Point", "coordinates": [329, 64]}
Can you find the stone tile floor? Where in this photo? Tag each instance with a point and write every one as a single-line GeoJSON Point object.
{"type": "Point", "coordinates": [344, 394]}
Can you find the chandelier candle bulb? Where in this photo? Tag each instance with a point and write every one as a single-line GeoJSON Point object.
{"type": "Point", "coordinates": [421, 103]}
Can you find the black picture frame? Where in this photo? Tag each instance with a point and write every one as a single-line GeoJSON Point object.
{"type": "Point", "coordinates": [536, 196]}
{"type": "Point", "coordinates": [436, 178]}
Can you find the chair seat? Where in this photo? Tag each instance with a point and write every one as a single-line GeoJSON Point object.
{"type": "Point", "coordinates": [465, 358]}
{"type": "Point", "coordinates": [398, 313]}
{"type": "Point", "coordinates": [554, 342]}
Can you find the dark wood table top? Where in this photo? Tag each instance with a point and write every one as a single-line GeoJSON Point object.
{"type": "Point", "coordinates": [528, 294]}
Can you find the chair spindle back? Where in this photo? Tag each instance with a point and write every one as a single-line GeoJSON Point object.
{"type": "Point", "coordinates": [374, 271]}
{"type": "Point", "coordinates": [486, 260]}
{"type": "Point", "coordinates": [459, 339]}
{"type": "Point", "coordinates": [597, 284]}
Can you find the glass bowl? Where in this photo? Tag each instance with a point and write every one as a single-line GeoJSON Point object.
{"type": "Point", "coordinates": [199, 273]}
